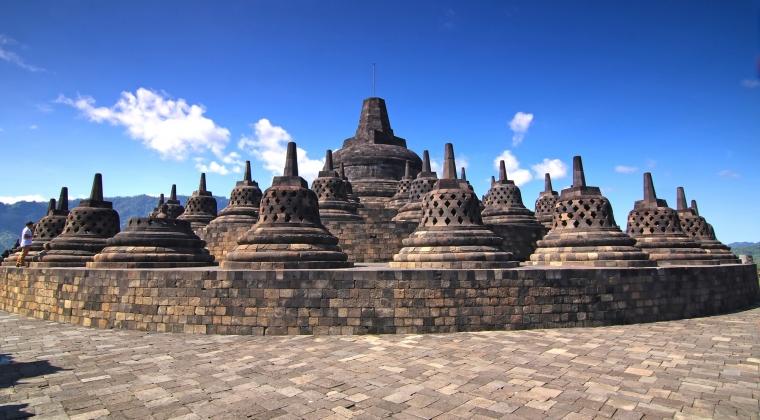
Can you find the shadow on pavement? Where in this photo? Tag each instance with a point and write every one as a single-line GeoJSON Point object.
{"type": "Point", "coordinates": [11, 373]}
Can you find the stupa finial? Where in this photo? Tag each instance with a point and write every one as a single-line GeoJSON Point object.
{"type": "Point", "coordinates": [342, 170]}
{"type": "Point", "coordinates": [502, 171]}
{"type": "Point", "coordinates": [493, 180]}
{"type": "Point", "coordinates": [63, 200]}
{"type": "Point", "coordinates": [449, 165]}
{"type": "Point", "coordinates": [694, 207]}
{"type": "Point", "coordinates": [173, 195]}
{"type": "Point", "coordinates": [328, 161]}
{"type": "Point", "coordinates": [202, 185]}
{"type": "Point", "coordinates": [408, 170]}
{"type": "Point", "coordinates": [96, 194]}
{"type": "Point", "coordinates": [680, 199]}
{"type": "Point", "coordinates": [547, 183]}
{"type": "Point", "coordinates": [464, 174]}
{"type": "Point", "coordinates": [291, 160]}
{"type": "Point", "coordinates": [426, 161]}
{"type": "Point", "coordinates": [51, 205]}
{"type": "Point", "coordinates": [649, 193]}
{"type": "Point", "coordinates": [248, 176]}
{"type": "Point", "coordinates": [579, 178]}
{"type": "Point", "coordinates": [160, 200]}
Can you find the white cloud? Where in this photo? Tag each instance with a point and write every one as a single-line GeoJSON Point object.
{"type": "Point", "coordinates": [623, 169]}
{"type": "Point", "coordinates": [519, 126]}
{"type": "Point", "coordinates": [231, 163]}
{"type": "Point", "coordinates": [173, 128]}
{"type": "Point", "coordinates": [727, 173]}
{"type": "Point", "coordinates": [554, 167]}
{"type": "Point", "coordinates": [269, 144]}
{"type": "Point", "coordinates": [6, 54]}
{"type": "Point", "coordinates": [44, 108]}
{"type": "Point", "coordinates": [33, 127]}
{"type": "Point", "coordinates": [751, 83]}
{"type": "Point", "coordinates": [11, 199]}
{"type": "Point", "coordinates": [514, 172]}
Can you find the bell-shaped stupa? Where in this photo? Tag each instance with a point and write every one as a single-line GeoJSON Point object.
{"type": "Point", "coordinates": [702, 232]}
{"type": "Point", "coordinates": [289, 233]}
{"type": "Point", "coordinates": [154, 242]}
{"type": "Point", "coordinates": [426, 179]}
{"type": "Point", "coordinates": [451, 233]}
{"type": "Point", "coordinates": [332, 194]}
{"type": "Point", "coordinates": [401, 196]}
{"type": "Point", "coordinates": [88, 227]}
{"type": "Point", "coordinates": [545, 203]}
{"type": "Point", "coordinates": [584, 231]}
{"type": "Point", "coordinates": [47, 228]}
{"type": "Point", "coordinates": [159, 206]}
{"type": "Point", "coordinates": [505, 214]}
{"type": "Point", "coordinates": [200, 208]}
{"type": "Point", "coordinates": [374, 157]}
{"type": "Point", "coordinates": [173, 207]}
{"type": "Point", "coordinates": [657, 230]}
{"type": "Point", "coordinates": [242, 212]}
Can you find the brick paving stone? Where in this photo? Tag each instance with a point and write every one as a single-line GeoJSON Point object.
{"type": "Point", "coordinates": [686, 369]}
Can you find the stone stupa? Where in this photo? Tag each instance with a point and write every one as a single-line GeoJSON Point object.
{"type": "Point", "coordinates": [88, 227]}
{"type": "Point", "coordinates": [702, 232]}
{"type": "Point", "coordinates": [154, 242]}
{"type": "Point", "coordinates": [506, 215]}
{"type": "Point", "coordinates": [332, 194]}
{"type": "Point", "coordinates": [584, 232]}
{"type": "Point", "coordinates": [242, 212]}
{"type": "Point", "coordinates": [374, 157]}
{"type": "Point", "coordinates": [412, 211]}
{"type": "Point", "coordinates": [173, 207]}
{"type": "Point", "coordinates": [200, 208]}
{"type": "Point", "coordinates": [352, 197]}
{"type": "Point", "coordinates": [657, 230]}
{"type": "Point", "coordinates": [545, 203]}
{"type": "Point", "coordinates": [289, 233]}
{"type": "Point", "coordinates": [159, 206]}
{"type": "Point", "coordinates": [451, 234]}
{"type": "Point", "coordinates": [401, 196]}
{"type": "Point", "coordinates": [47, 228]}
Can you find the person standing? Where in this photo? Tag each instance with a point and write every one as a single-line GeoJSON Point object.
{"type": "Point", "coordinates": [26, 242]}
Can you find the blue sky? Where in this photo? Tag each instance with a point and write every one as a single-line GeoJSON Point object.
{"type": "Point", "coordinates": [125, 88]}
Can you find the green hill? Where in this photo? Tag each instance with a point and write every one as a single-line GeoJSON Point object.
{"type": "Point", "coordinates": [13, 216]}
{"type": "Point", "coordinates": [747, 248]}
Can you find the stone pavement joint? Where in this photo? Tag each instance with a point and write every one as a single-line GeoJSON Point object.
{"type": "Point", "coordinates": [687, 369]}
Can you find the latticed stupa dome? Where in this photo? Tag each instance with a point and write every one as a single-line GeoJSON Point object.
{"type": "Point", "coordinates": [504, 202]}
{"type": "Point", "coordinates": [289, 233]}
{"type": "Point", "coordinates": [545, 203]}
{"type": "Point", "coordinates": [401, 196]}
{"type": "Point", "coordinates": [332, 194]}
{"type": "Point", "coordinates": [657, 230]}
{"type": "Point", "coordinates": [426, 179]}
{"type": "Point", "coordinates": [702, 232]}
{"type": "Point", "coordinates": [88, 227]}
{"type": "Point", "coordinates": [200, 208]}
{"type": "Point", "coordinates": [243, 206]}
{"type": "Point", "coordinates": [584, 231]}
{"type": "Point", "coordinates": [47, 228]}
{"type": "Point", "coordinates": [451, 233]}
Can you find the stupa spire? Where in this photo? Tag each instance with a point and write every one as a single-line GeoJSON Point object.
{"type": "Point", "coordinates": [407, 170]}
{"type": "Point", "coordinates": [694, 207]}
{"type": "Point", "coordinates": [547, 183]}
{"type": "Point", "coordinates": [426, 161]}
{"type": "Point", "coordinates": [63, 200]}
{"type": "Point", "coordinates": [328, 161]}
{"type": "Point", "coordinates": [649, 193]}
{"type": "Point", "coordinates": [96, 194]}
{"type": "Point", "coordinates": [173, 195]}
{"type": "Point", "coordinates": [291, 160]}
{"type": "Point", "coordinates": [680, 199]}
{"type": "Point", "coordinates": [202, 185]}
{"type": "Point", "coordinates": [464, 174]}
{"type": "Point", "coordinates": [248, 176]}
{"type": "Point", "coordinates": [449, 165]}
{"type": "Point", "coordinates": [579, 178]}
{"type": "Point", "coordinates": [502, 171]}
{"type": "Point", "coordinates": [51, 206]}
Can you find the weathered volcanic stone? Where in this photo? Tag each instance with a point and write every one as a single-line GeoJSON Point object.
{"type": "Point", "coordinates": [657, 230]}
{"type": "Point", "coordinates": [289, 233]}
{"type": "Point", "coordinates": [545, 203]}
{"type": "Point", "coordinates": [154, 242]}
{"type": "Point", "coordinates": [451, 233]}
{"type": "Point", "coordinates": [332, 194]}
{"type": "Point", "coordinates": [200, 208]}
{"type": "Point", "coordinates": [159, 206]}
{"type": "Point", "coordinates": [352, 197]}
{"type": "Point", "coordinates": [426, 179]}
{"type": "Point", "coordinates": [401, 196]}
{"type": "Point", "coordinates": [88, 227]}
{"type": "Point", "coordinates": [374, 157]}
{"type": "Point", "coordinates": [584, 231]}
{"type": "Point", "coordinates": [173, 208]}
{"type": "Point", "coordinates": [702, 232]}
{"type": "Point", "coordinates": [242, 212]}
{"type": "Point", "coordinates": [47, 228]}
{"type": "Point", "coordinates": [506, 215]}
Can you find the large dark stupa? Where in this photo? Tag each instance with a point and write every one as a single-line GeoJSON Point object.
{"type": "Point", "coordinates": [88, 227]}
{"type": "Point", "coordinates": [289, 233]}
{"type": "Point", "coordinates": [374, 157]}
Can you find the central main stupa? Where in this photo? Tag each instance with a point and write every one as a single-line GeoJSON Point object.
{"type": "Point", "coordinates": [374, 158]}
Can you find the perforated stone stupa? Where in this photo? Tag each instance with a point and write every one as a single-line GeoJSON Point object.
{"type": "Point", "coordinates": [584, 231]}
{"type": "Point", "coordinates": [332, 194]}
{"type": "Point", "coordinates": [426, 179]}
{"type": "Point", "coordinates": [374, 157]}
{"type": "Point", "coordinates": [545, 203]}
{"type": "Point", "coordinates": [47, 228]}
{"type": "Point", "coordinates": [88, 227]}
{"type": "Point", "coordinates": [451, 233]}
{"type": "Point", "coordinates": [159, 206]}
{"type": "Point", "coordinates": [289, 233]}
{"type": "Point", "coordinates": [401, 196]}
{"type": "Point", "coordinates": [173, 207]}
{"type": "Point", "coordinates": [657, 230]}
{"type": "Point", "coordinates": [154, 242]}
{"type": "Point", "coordinates": [505, 214]}
{"type": "Point", "coordinates": [200, 208]}
{"type": "Point", "coordinates": [700, 231]}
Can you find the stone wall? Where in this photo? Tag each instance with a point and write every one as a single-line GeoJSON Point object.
{"type": "Point", "coordinates": [520, 240]}
{"type": "Point", "coordinates": [372, 300]}
{"type": "Point", "coordinates": [222, 238]}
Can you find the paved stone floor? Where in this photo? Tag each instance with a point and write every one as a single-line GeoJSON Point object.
{"type": "Point", "coordinates": [699, 368]}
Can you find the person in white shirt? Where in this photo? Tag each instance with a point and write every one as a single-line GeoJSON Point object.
{"type": "Point", "coordinates": [26, 242]}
